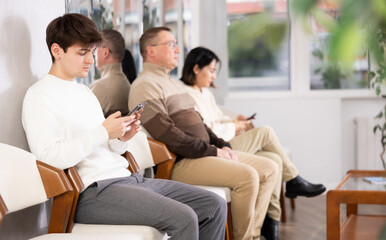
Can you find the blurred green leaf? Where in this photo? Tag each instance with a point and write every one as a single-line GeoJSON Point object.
{"type": "Point", "coordinates": [380, 7]}
{"type": "Point", "coordinates": [380, 115]}
{"type": "Point", "coordinates": [324, 19]}
{"type": "Point", "coordinates": [344, 43]}
{"type": "Point", "coordinates": [318, 53]}
{"type": "Point", "coordinates": [303, 7]}
{"type": "Point", "coordinates": [371, 75]}
{"type": "Point", "coordinates": [376, 128]}
{"type": "Point", "coordinates": [378, 90]}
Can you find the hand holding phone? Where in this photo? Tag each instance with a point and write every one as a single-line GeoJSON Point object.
{"type": "Point", "coordinates": [252, 116]}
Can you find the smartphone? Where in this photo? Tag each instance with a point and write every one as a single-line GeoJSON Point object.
{"type": "Point", "coordinates": [253, 115]}
{"type": "Point", "coordinates": [137, 108]}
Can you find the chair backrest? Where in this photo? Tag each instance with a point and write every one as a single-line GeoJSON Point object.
{"type": "Point", "coordinates": [25, 182]}
{"type": "Point", "coordinates": [138, 146]}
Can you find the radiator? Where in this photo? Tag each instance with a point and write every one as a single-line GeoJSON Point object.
{"type": "Point", "coordinates": [368, 145]}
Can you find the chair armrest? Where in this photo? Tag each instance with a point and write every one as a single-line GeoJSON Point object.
{"type": "Point", "coordinates": [51, 176]}
{"type": "Point", "coordinates": [163, 158]}
{"type": "Point", "coordinates": [57, 186]}
{"type": "Point", "coordinates": [133, 165]}
{"type": "Point", "coordinates": [164, 169]}
{"type": "Point", "coordinates": [159, 151]}
{"type": "Point", "coordinates": [3, 209]}
{"type": "Point", "coordinates": [77, 184]}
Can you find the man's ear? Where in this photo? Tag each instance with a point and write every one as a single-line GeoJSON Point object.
{"type": "Point", "coordinates": [150, 51]}
{"type": "Point", "coordinates": [56, 51]}
{"type": "Point", "coordinates": [106, 52]}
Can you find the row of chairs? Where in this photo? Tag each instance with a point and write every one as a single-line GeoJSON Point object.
{"type": "Point", "coordinates": [65, 186]}
{"type": "Point", "coordinates": [30, 182]}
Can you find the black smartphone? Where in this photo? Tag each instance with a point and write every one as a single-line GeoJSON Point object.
{"type": "Point", "coordinates": [253, 115]}
{"type": "Point", "coordinates": [137, 108]}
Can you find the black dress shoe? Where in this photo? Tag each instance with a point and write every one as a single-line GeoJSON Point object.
{"type": "Point", "coordinates": [270, 229]}
{"type": "Point", "coordinates": [301, 187]}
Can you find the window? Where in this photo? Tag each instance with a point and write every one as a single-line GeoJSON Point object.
{"type": "Point", "coordinates": [326, 74]}
{"type": "Point", "coordinates": [132, 17]}
{"type": "Point", "coordinates": [258, 45]}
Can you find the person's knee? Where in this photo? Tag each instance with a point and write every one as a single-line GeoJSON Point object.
{"type": "Point", "coordinates": [184, 218]}
{"type": "Point", "coordinates": [272, 170]}
{"type": "Point", "coordinates": [276, 159]}
{"type": "Point", "coordinates": [249, 178]}
{"type": "Point", "coordinates": [265, 130]}
{"type": "Point", "coordinates": [218, 206]}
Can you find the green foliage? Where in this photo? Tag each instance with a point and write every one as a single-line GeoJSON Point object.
{"type": "Point", "coordinates": [331, 71]}
{"type": "Point", "coordinates": [253, 42]}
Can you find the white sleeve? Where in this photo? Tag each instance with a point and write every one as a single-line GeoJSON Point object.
{"type": "Point", "coordinates": [214, 118]}
{"type": "Point", "coordinates": [118, 146]}
{"type": "Point", "coordinates": [47, 135]}
{"type": "Point", "coordinates": [224, 130]}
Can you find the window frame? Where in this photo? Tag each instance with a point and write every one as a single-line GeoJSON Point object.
{"type": "Point", "coordinates": [300, 85]}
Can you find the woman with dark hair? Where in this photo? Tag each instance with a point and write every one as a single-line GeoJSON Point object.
{"type": "Point", "coordinates": [128, 66]}
{"type": "Point", "coordinates": [198, 74]}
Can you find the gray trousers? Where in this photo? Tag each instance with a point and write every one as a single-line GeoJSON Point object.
{"type": "Point", "coordinates": [182, 211]}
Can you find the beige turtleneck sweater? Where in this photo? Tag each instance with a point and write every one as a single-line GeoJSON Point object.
{"type": "Point", "coordinates": [112, 89]}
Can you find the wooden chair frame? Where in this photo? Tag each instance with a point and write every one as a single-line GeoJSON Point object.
{"type": "Point", "coordinates": [59, 188]}
{"type": "Point", "coordinates": [3, 209]}
{"type": "Point", "coordinates": [282, 205]}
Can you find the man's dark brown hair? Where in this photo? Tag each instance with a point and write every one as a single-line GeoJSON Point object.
{"type": "Point", "coordinates": [71, 29]}
{"type": "Point", "coordinates": [113, 40]}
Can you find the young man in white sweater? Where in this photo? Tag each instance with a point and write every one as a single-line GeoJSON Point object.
{"type": "Point", "coordinates": [65, 127]}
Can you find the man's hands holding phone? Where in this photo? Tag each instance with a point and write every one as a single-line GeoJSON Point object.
{"type": "Point", "coordinates": [120, 127]}
{"type": "Point", "coordinates": [227, 153]}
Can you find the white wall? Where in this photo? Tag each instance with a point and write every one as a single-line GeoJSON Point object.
{"type": "Point", "coordinates": [24, 58]}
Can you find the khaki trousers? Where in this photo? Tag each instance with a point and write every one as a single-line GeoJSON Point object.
{"type": "Point", "coordinates": [262, 141]}
{"type": "Point", "coordinates": [251, 181]}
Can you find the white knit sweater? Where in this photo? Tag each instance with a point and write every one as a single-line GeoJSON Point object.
{"type": "Point", "coordinates": [63, 123]}
{"type": "Point", "coordinates": [213, 117]}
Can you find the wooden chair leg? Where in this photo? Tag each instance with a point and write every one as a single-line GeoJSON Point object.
{"type": "Point", "coordinates": [293, 203]}
{"type": "Point", "coordinates": [282, 205]}
{"type": "Point", "coordinates": [229, 227]}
